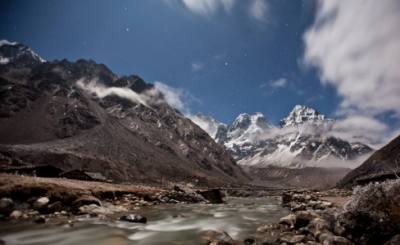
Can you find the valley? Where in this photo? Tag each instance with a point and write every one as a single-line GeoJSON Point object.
{"type": "Point", "coordinates": [87, 155]}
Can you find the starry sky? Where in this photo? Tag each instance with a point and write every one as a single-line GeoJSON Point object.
{"type": "Point", "coordinates": [222, 57]}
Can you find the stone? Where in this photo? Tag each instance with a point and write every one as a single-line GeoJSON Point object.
{"type": "Point", "coordinates": [372, 215]}
{"type": "Point", "coordinates": [40, 220]}
{"type": "Point", "coordinates": [214, 196]}
{"type": "Point", "coordinates": [269, 234]}
{"type": "Point", "coordinates": [393, 241]}
{"type": "Point", "coordinates": [289, 220]}
{"type": "Point", "coordinates": [134, 218]}
{"type": "Point", "coordinates": [249, 241]}
{"type": "Point", "coordinates": [338, 229]}
{"type": "Point", "coordinates": [41, 203]}
{"type": "Point", "coordinates": [86, 200]}
{"type": "Point", "coordinates": [291, 238]}
{"type": "Point", "coordinates": [303, 218]}
{"type": "Point", "coordinates": [6, 206]}
{"type": "Point", "coordinates": [218, 238]}
{"type": "Point", "coordinates": [286, 198]}
{"type": "Point", "coordinates": [298, 207]}
{"type": "Point", "coordinates": [16, 214]}
{"type": "Point", "coordinates": [55, 207]}
{"type": "Point", "coordinates": [317, 226]}
{"type": "Point", "coordinates": [336, 240]}
{"type": "Point", "coordinates": [178, 189]}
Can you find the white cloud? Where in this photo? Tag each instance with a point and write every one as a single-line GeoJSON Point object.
{"type": "Point", "coordinates": [196, 66]}
{"type": "Point", "coordinates": [177, 97]}
{"type": "Point", "coordinates": [356, 46]}
{"type": "Point", "coordinates": [360, 129]}
{"type": "Point", "coordinates": [258, 9]}
{"type": "Point", "coordinates": [102, 91]}
{"type": "Point", "coordinates": [279, 83]}
{"type": "Point", "coordinates": [172, 95]}
{"type": "Point", "coordinates": [206, 7]}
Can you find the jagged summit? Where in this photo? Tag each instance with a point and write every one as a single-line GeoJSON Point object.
{"type": "Point", "coordinates": [301, 114]}
{"type": "Point", "coordinates": [244, 121]}
{"type": "Point", "coordinates": [302, 140]}
{"type": "Point", "coordinates": [17, 53]}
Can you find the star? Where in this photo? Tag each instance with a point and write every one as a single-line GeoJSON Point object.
{"type": "Point", "coordinates": [127, 29]}
{"type": "Point", "coordinates": [226, 63]}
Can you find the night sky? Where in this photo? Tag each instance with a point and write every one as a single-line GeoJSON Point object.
{"type": "Point", "coordinates": [224, 56]}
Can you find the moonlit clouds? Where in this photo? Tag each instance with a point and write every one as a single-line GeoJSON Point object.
{"type": "Point", "coordinates": [279, 83]}
{"type": "Point", "coordinates": [197, 66]}
{"type": "Point", "coordinates": [360, 129]}
{"type": "Point", "coordinates": [356, 47]}
{"type": "Point", "coordinates": [206, 7]}
{"type": "Point", "coordinates": [255, 9]}
{"type": "Point", "coordinates": [258, 9]}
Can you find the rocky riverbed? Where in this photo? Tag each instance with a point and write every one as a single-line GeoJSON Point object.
{"type": "Point", "coordinates": [367, 215]}
{"type": "Point", "coordinates": [43, 199]}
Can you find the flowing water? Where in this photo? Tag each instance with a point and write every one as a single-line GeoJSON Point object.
{"type": "Point", "coordinates": [167, 224]}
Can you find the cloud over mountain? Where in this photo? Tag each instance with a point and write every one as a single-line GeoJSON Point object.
{"type": "Point", "coordinates": [355, 45]}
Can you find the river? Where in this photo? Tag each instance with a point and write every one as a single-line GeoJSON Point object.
{"type": "Point", "coordinates": [167, 224]}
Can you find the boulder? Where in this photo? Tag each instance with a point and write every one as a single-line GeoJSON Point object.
{"type": "Point", "coordinates": [6, 206]}
{"type": "Point", "coordinates": [317, 226]}
{"type": "Point", "coordinates": [218, 238]}
{"type": "Point", "coordinates": [212, 195]}
{"type": "Point", "coordinates": [372, 216]}
{"type": "Point", "coordinates": [394, 240]}
{"type": "Point", "coordinates": [289, 220]}
{"type": "Point", "coordinates": [134, 218]}
{"type": "Point", "coordinates": [41, 203]}
{"type": "Point", "coordinates": [270, 234]}
{"type": "Point", "coordinates": [303, 218]}
{"type": "Point", "coordinates": [86, 200]}
{"type": "Point", "coordinates": [16, 214]}
{"type": "Point", "coordinates": [291, 238]}
{"type": "Point", "coordinates": [336, 240]}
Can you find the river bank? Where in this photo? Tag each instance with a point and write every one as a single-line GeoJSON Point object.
{"type": "Point", "coordinates": [36, 207]}
{"type": "Point", "coordinates": [42, 199]}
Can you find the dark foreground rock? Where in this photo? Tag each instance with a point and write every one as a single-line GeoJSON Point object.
{"type": "Point", "coordinates": [370, 216]}
{"type": "Point", "coordinates": [212, 195]}
{"type": "Point", "coordinates": [373, 214]}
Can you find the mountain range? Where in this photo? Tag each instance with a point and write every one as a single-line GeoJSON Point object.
{"type": "Point", "coordinates": [80, 115]}
{"type": "Point", "coordinates": [301, 151]}
{"type": "Point", "coordinates": [303, 139]}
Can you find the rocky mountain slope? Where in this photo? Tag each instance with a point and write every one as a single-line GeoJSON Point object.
{"type": "Point", "coordinates": [80, 115]}
{"type": "Point", "coordinates": [383, 164]}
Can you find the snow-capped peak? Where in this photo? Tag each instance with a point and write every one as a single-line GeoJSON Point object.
{"type": "Point", "coordinates": [244, 121]}
{"type": "Point", "coordinates": [13, 52]}
{"type": "Point", "coordinates": [301, 114]}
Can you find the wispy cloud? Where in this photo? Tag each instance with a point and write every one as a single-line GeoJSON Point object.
{"type": "Point", "coordinates": [356, 47]}
{"type": "Point", "coordinates": [274, 85]}
{"type": "Point", "coordinates": [102, 91]}
{"type": "Point", "coordinates": [175, 97]}
{"type": "Point", "coordinates": [197, 66]}
{"type": "Point", "coordinates": [255, 9]}
{"type": "Point", "coordinates": [207, 7]}
{"type": "Point", "coordinates": [258, 10]}
{"type": "Point", "coordinates": [279, 83]}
